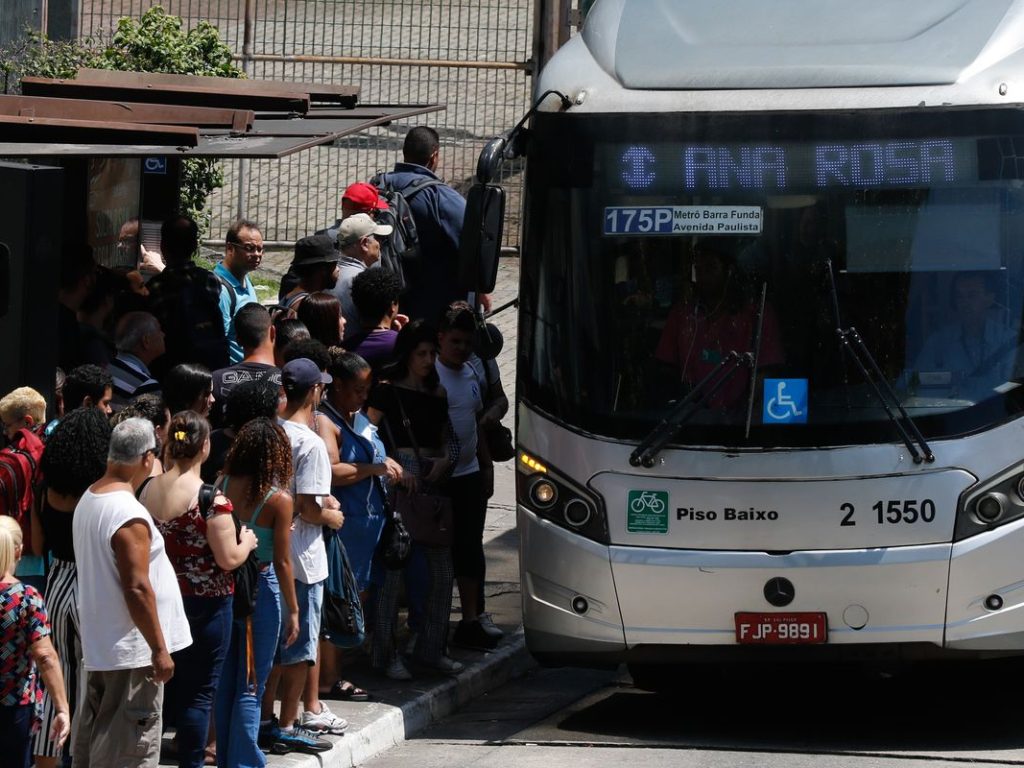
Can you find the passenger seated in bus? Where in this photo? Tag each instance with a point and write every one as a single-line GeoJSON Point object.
{"type": "Point", "coordinates": [975, 351]}
{"type": "Point", "coordinates": [716, 317]}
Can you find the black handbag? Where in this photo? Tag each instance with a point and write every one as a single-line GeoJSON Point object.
{"type": "Point", "coordinates": [501, 446]}
{"type": "Point", "coordinates": [395, 543]}
{"type": "Point", "coordinates": [247, 575]}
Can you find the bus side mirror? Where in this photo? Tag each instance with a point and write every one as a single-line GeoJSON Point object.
{"type": "Point", "coordinates": [480, 245]}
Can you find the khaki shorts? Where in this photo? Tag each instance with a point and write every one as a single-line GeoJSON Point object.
{"type": "Point", "coordinates": [119, 722]}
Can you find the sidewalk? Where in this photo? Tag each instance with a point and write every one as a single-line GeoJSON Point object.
{"type": "Point", "coordinates": [400, 709]}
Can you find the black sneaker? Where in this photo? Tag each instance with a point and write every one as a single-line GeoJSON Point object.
{"type": "Point", "coordinates": [266, 738]}
{"type": "Point", "coordinates": [470, 634]}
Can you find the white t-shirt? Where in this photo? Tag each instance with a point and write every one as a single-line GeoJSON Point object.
{"type": "Point", "coordinates": [312, 478]}
{"type": "Point", "coordinates": [110, 639]}
{"type": "Point", "coordinates": [465, 401]}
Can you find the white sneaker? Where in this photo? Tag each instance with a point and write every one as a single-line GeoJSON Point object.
{"type": "Point", "coordinates": [487, 624]}
{"type": "Point", "coordinates": [397, 670]}
{"type": "Point", "coordinates": [325, 721]}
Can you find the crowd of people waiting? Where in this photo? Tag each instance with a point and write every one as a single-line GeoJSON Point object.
{"type": "Point", "coordinates": [197, 428]}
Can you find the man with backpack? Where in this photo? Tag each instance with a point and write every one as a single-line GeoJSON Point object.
{"type": "Point", "coordinates": [185, 299]}
{"type": "Point", "coordinates": [431, 261]}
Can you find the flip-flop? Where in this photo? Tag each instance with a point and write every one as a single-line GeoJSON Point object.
{"type": "Point", "coordinates": [343, 690]}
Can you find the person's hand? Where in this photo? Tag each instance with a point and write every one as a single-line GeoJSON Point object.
{"type": "Point", "coordinates": [409, 481]}
{"type": "Point", "coordinates": [150, 261]}
{"type": "Point", "coordinates": [247, 538]}
{"type": "Point", "coordinates": [163, 666]}
{"type": "Point", "coordinates": [60, 728]}
{"type": "Point", "coordinates": [333, 518]}
{"type": "Point", "coordinates": [485, 301]}
{"type": "Point", "coordinates": [489, 418]}
{"type": "Point", "coordinates": [291, 629]}
{"type": "Point", "coordinates": [438, 471]}
{"type": "Point", "coordinates": [393, 470]}
{"type": "Point", "coordinates": [399, 322]}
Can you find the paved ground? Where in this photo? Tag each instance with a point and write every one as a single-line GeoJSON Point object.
{"type": "Point", "coordinates": [399, 710]}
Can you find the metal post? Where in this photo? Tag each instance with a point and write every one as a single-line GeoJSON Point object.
{"type": "Point", "coordinates": [62, 19]}
{"type": "Point", "coordinates": [243, 164]}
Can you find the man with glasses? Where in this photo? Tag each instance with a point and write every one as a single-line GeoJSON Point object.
{"type": "Point", "coordinates": [360, 250]}
{"type": "Point", "coordinates": [243, 252]}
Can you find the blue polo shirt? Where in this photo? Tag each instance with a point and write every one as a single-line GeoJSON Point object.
{"type": "Point", "coordinates": [245, 293]}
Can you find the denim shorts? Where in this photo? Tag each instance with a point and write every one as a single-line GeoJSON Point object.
{"type": "Point", "coordinates": [311, 602]}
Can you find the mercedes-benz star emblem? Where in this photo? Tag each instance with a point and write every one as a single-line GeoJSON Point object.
{"type": "Point", "coordinates": [779, 592]}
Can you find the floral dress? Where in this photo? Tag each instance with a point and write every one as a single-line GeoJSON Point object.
{"type": "Point", "coordinates": [190, 554]}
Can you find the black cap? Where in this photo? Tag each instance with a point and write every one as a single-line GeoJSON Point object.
{"type": "Point", "coordinates": [315, 249]}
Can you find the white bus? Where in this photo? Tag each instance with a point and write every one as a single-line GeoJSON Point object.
{"type": "Point", "coordinates": [772, 284]}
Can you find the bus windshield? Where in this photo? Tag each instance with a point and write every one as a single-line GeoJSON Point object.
{"type": "Point", "coordinates": [650, 239]}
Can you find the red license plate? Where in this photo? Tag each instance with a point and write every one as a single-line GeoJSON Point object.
{"type": "Point", "coordinates": [781, 628]}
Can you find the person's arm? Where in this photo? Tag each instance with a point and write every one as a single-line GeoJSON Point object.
{"type": "Point", "coordinates": [45, 656]}
{"type": "Point", "coordinates": [131, 554]}
{"type": "Point", "coordinates": [451, 214]}
{"type": "Point", "coordinates": [343, 472]}
{"type": "Point", "coordinates": [309, 509]}
{"type": "Point", "coordinates": [496, 403]}
{"type": "Point", "coordinates": [38, 539]}
{"type": "Point", "coordinates": [230, 548]}
{"type": "Point", "coordinates": [280, 505]}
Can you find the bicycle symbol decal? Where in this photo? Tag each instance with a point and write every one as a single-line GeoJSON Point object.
{"type": "Point", "coordinates": [647, 512]}
{"type": "Point", "coordinates": [785, 401]}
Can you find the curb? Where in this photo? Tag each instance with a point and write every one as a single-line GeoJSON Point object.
{"type": "Point", "coordinates": [388, 725]}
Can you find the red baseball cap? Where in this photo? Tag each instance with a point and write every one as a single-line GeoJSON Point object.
{"type": "Point", "coordinates": [365, 196]}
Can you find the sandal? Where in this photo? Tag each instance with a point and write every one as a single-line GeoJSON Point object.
{"type": "Point", "coordinates": [343, 690]}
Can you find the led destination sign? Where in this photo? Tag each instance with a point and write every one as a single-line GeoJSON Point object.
{"type": "Point", "coordinates": [774, 168]}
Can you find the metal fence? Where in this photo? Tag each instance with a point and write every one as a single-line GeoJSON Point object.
{"type": "Point", "coordinates": [471, 55]}
{"type": "Point", "coordinates": [16, 16]}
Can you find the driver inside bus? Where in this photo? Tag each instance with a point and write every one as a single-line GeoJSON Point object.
{"type": "Point", "coordinates": [717, 316]}
{"type": "Point", "coordinates": [975, 351]}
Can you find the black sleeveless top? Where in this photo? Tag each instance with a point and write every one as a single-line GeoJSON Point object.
{"type": "Point", "coordinates": [57, 530]}
{"type": "Point", "coordinates": [428, 416]}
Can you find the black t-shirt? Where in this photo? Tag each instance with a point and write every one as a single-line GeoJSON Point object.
{"type": "Point", "coordinates": [226, 379]}
{"type": "Point", "coordinates": [428, 415]}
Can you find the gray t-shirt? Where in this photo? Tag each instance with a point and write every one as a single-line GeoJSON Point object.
{"type": "Point", "coordinates": [312, 478]}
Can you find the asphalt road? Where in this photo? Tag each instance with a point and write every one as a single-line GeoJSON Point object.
{"type": "Point", "coordinates": [823, 717]}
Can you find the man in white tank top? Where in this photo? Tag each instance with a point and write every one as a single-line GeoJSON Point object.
{"type": "Point", "coordinates": [132, 618]}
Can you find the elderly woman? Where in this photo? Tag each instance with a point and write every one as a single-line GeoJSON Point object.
{"type": "Point", "coordinates": [25, 647]}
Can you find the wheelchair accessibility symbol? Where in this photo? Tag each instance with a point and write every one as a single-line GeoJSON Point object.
{"type": "Point", "coordinates": [785, 401]}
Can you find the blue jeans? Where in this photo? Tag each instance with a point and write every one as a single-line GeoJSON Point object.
{"type": "Point", "coordinates": [16, 734]}
{"type": "Point", "coordinates": [197, 670]}
{"type": "Point", "coordinates": [238, 702]}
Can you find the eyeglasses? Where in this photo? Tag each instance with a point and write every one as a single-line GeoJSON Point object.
{"type": "Point", "coordinates": [247, 247]}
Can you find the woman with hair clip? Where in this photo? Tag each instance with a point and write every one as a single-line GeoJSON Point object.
{"type": "Point", "coordinates": [25, 647]}
{"type": "Point", "coordinates": [202, 545]}
{"type": "Point", "coordinates": [75, 458]}
{"type": "Point", "coordinates": [257, 472]}
{"type": "Point", "coordinates": [411, 408]}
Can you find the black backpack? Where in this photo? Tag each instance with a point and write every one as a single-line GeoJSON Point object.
{"type": "Point", "coordinates": [193, 326]}
{"type": "Point", "coordinates": [400, 250]}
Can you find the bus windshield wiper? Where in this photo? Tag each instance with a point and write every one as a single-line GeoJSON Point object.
{"type": "Point", "coordinates": [756, 351]}
{"type": "Point", "coordinates": [851, 341]}
{"type": "Point", "coordinates": [703, 391]}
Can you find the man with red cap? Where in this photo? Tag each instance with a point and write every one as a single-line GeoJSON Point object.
{"type": "Point", "coordinates": [357, 198]}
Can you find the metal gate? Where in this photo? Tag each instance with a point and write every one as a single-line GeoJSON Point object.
{"type": "Point", "coordinates": [472, 55]}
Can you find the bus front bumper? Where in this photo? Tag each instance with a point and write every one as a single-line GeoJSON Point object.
{"type": "Point", "coordinates": [900, 603]}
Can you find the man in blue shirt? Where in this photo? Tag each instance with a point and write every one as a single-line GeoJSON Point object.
{"type": "Point", "coordinates": [243, 252]}
{"type": "Point", "coordinates": [438, 211]}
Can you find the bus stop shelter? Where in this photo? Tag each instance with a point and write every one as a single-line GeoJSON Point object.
{"type": "Point", "coordinates": [82, 157]}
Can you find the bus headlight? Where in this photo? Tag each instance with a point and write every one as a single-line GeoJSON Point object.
{"type": "Point", "coordinates": [989, 507]}
{"type": "Point", "coordinates": [991, 503]}
{"type": "Point", "coordinates": [543, 493]}
{"type": "Point", "coordinates": [551, 495]}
